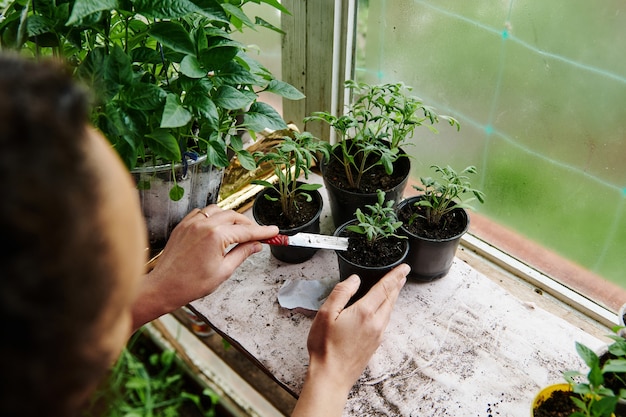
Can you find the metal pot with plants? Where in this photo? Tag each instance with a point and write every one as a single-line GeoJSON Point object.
{"type": "Point", "coordinates": [171, 88]}
{"type": "Point", "coordinates": [292, 205]}
{"type": "Point", "coordinates": [600, 392]}
{"type": "Point", "coordinates": [374, 247]}
{"type": "Point", "coordinates": [368, 155]}
{"type": "Point", "coordinates": [435, 221]}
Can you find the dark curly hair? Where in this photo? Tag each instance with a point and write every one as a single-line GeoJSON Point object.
{"type": "Point", "coordinates": [55, 258]}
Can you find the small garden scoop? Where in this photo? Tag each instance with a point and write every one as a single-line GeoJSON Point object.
{"type": "Point", "coordinates": [309, 240]}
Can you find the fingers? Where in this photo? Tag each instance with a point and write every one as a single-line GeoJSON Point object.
{"type": "Point", "coordinates": [384, 294]}
{"type": "Point", "coordinates": [341, 294]}
{"type": "Point", "coordinates": [229, 216]}
{"type": "Point", "coordinates": [239, 253]}
{"type": "Point", "coordinates": [240, 228]}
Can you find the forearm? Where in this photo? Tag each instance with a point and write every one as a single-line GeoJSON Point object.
{"type": "Point", "coordinates": [322, 395]}
{"type": "Point", "coordinates": [150, 304]}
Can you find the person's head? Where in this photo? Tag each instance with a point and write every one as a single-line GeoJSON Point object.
{"type": "Point", "coordinates": [73, 243]}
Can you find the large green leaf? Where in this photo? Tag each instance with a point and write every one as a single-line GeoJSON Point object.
{"type": "Point", "coordinates": [174, 114]}
{"type": "Point", "coordinates": [254, 67]}
{"type": "Point", "coordinates": [202, 105]}
{"type": "Point", "coordinates": [143, 54]}
{"type": "Point", "coordinates": [164, 144]}
{"type": "Point", "coordinates": [144, 96]}
{"type": "Point", "coordinates": [212, 10]}
{"type": "Point", "coordinates": [216, 58]}
{"type": "Point", "coordinates": [230, 98]}
{"type": "Point", "coordinates": [262, 116]}
{"type": "Point", "coordinates": [246, 159]}
{"type": "Point", "coordinates": [238, 13]}
{"type": "Point", "coordinates": [84, 8]}
{"type": "Point", "coordinates": [276, 4]}
{"type": "Point", "coordinates": [192, 68]}
{"type": "Point", "coordinates": [165, 9]}
{"type": "Point", "coordinates": [216, 154]}
{"type": "Point", "coordinates": [118, 67]}
{"type": "Point", "coordinates": [174, 36]}
{"type": "Point", "coordinates": [171, 9]}
{"type": "Point", "coordinates": [38, 25]}
{"type": "Point", "coordinates": [235, 74]}
{"type": "Point", "coordinates": [91, 71]}
{"type": "Point", "coordinates": [213, 32]}
{"type": "Point", "coordinates": [284, 89]}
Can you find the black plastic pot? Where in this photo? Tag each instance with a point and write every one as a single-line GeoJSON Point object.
{"type": "Point", "coordinates": [343, 203]}
{"type": "Point", "coordinates": [292, 254]}
{"type": "Point", "coordinates": [369, 275]}
{"type": "Point", "coordinates": [430, 259]}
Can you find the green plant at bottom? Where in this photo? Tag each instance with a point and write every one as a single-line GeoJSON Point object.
{"type": "Point", "coordinates": [595, 398]}
{"type": "Point", "coordinates": [380, 223]}
{"type": "Point", "coordinates": [155, 387]}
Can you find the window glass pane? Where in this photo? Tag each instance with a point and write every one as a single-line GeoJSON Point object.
{"type": "Point", "coordinates": [264, 45]}
{"type": "Point", "coordinates": [540, 91]}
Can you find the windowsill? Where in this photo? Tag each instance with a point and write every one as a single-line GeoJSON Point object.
{"type": "Point", "coordinates": [573, 276]}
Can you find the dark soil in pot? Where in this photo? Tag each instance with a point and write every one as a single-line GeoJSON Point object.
{"type": "Point", "coordinates": [375, 179]}
{"type": "Point", "coordinates": [384, 252]}
{"type": "Point", "coordinates": [305, 219]}
{"type": "Point", "coordinates": [369, 262]}
{"type": "Point", "coordinates": [453, 224]}
{"type": "Point", "coordinates": [615, 382]}
{"type": "Point", "coordinates": [559, 404]}
{"type": "Point", "coordinates": [344, 199]}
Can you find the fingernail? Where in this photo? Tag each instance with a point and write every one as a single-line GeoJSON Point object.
{"type": "Point", "coordinates": [405, 269]}
{"type": "Point", "coordinates": [257, 247]}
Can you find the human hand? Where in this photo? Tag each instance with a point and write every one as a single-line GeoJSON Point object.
{"type": "Point", "coordinates": [342, 341]}
{"type": "Point", "coordinates": [203, 251]}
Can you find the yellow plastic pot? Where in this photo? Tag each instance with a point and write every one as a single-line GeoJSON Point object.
{"type": "Point", "coordinates": [545, 393]}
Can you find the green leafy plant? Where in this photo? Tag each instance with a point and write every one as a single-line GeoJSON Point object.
{"type": "Point", "coordinates": [169, 80]}
{"type": "Point", "coordinates": [143, 382]}
{"type": "Point", "coordinates": [291, 158]}
{"type": "Point", "coordinates": [440, 197]}
{"type": "Point", "coordinates": [595, 398]}
{"type": "Point", "coordinates": [380, 223]}
{"type": "Point", "coordinates": [380, 119]}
